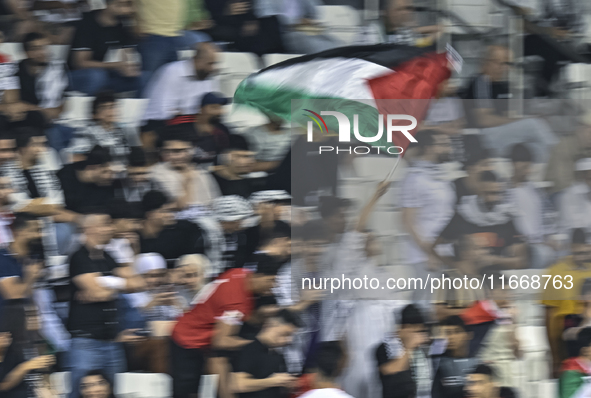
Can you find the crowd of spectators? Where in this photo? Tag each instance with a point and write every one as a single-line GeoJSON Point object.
{"type": "Point", "coordinates": [168, 248]}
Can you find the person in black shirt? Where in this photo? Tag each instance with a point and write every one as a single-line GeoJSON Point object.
{"type": "Point", "coordinates": [260, 370]}
{"type": "Point", "coordinates": [88, 183]}
{"type": "Point", "coordinates": [403, 367]}
{"type": "Point", "coordinates": [43, 82]}
{"type": "Point", "coordinates": [211, 135]}
{"type": "Point", "coordinates": [98, 34]}
{"type": "Point", "coordinates": [237, 162]}
{"type": "Point", "coordinates": [454, 365]}
{"type": "Point", "coordinates": [96, 280]}
{"type": "Point", "coordinates": [162, 234]}
{"type": "Point", "coordinates": [136, 182]}
{"type": "Point", "coordinates": [477, 162]}
{"type": "Point", "coordinates": [491, 223]}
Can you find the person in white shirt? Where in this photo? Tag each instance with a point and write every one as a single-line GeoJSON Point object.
{"type": "Point", "coordinates": [330, 361]}
{"type": "Point", "coordinates": [179, 178]}
{"type": "Point", "coordinates": [575, 203]}
{"type": "Point", "coordinates": [177, 88]}
{"type": "Point", "coordinates": [427, 198]}
{"type": "Point", "coordinates": [533, 211]}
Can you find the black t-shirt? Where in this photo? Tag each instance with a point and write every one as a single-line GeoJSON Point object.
{"type": "Point", "coordinates": [182, 238]}
{"type": "Point", "coordinates": [16, 354]}
{"type": "Point", "coordinates": [243, 187]}
{"type": "Point", "coordinates": [450, 376]}
{"type": "Point", "coordinates": [261, 362]}
{"type": "Point", "coordinates": [91, 36]}
{"type": "Point", "coordinates": [28, 84]}
{"type": "Point", "coordinates": [209, 145]}
{"type": "Point", "coordinates": [79, 195]}
{"type": "Point", "coordinates": [240, 247]}
{"type": "Point", "coordinates": [400, 384]}
{"type": "Point", "coordinates": [495, 237]}
{"type": "Point", "coordinates": [92, 320]}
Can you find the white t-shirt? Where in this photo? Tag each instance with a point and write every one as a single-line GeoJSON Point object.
{"type": "Point", "coordinates": [433, 198]}
{"type": "Point", "coordinates": [326, 393]}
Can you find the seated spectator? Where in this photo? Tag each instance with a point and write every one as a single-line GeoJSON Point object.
{"type": "Point", "coordinates": [177, 88]}
{"type": "Point", "coordinates": [177, 176]}
{"type": "Point", "coordinates": [259, 368]}
{"type": "Point", "coordinates": [270, 143]}
{"type": "Point", "coordinates": [330, 361]}
{"type": "Point", "coordinates": [404, 369]}
{"type": "Point", "coordinates": [162, 234]}
{"type": "Point", "coordinates": [28, 360]}
{"type": "Point", "coordinates": [214, 323]}
{"type": "Point", "coordinates": [42, 81]}
{"type": "Point", "coordinates": [127, 221]}
{"type": "Point", "coordinates": [455, 364]}
{"type": "Point", "coordinates": [398, 25]}
{"type": "Point", "coordinates": [491, 222]}
{"type": "Point", "coordinates": [237, 23]}
{"type": "Point", "coordinates": [575, 371]}
{"type": "Point", "coordinates": [560, 303]}
{"type": "Point", "coordinates": [482, 383]}
{"type": "Point", "coordinates": [239, 241]}
{"type": "Point", "coordinates": [236, 163]}
{"type": "Point", "coordinates": [102, 54]}
{"type": "Point", "coordinates": [487, 108]}
{"type": "Point", "coordinates": [274, 210]}
{"type": "Point", "coordinates": [104, 130]}
{"type": "Point", "coordinates": [300, 30]}
{"type": "Point", "coordinates": [158, 304]}
{"type": "Point", "coordinates": [574, 204]}
{"type": "Point", "coordinates": [58, 17]}
{"type": "Point", "coordinates": [136, 182]}
{"type": "Point", "coordinates": [96, 385]}
{"type": "Point", "coordinates": [560, 170]}
{"type": "Point", "coordinates": [96, 280]}
{"type": "Point", "coordinates": [211, 135]}
{"type": "Point", "coordinates": [88, 183]}
{"type": "Point", "coordinates": [191, 272]}
{"type": "Point", "coordinates": [534, 214]}
{"type": "Point", "coordinates": [476, 163]}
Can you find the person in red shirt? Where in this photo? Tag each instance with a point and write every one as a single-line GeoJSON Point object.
{"type": "Point", "coordinates": [214, 322]}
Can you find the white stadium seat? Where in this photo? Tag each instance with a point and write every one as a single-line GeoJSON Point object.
{"type": "Point", "coordinates": [131, 111]}
{"type": "Point", "coordinates": [272, 59]}
{"type": "Point", "coordinates": [143, 385]}
{"type": "Point", "coordinates": [235, 67]}
{"type": "Point", "coordinates": [14, 51]}
{"type": "Point", "coordinates": [61, 383]}
{"type": "Point", "coordinates": [242, 117]}
{"type": "Point", "coordinates": [340, 21]}
{"type": "Point", "coordinates": [76, 109]}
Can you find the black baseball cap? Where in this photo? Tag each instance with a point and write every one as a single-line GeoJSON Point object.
{"type": "Point", "coordinates": [214, 98]}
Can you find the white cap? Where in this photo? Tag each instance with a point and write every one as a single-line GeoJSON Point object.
{"type": "Point", "coordinates": [147, 262]}
{"type": "Point", "coordinates": [583, 164]}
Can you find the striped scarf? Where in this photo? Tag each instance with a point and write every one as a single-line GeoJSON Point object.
{"type": "Point", "coordinates": [44, 179]}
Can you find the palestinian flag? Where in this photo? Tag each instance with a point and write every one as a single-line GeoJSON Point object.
{"type": "Point", "coordinates": [362, 80]}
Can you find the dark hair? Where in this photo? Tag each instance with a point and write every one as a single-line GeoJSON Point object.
{"type": "Point", "coordinates": [120, 209]}
{"type": "Point", "coordinates": [136, 157]}
{"type": "Point", "coordinates": [267, 265]}
{"type": "Point", "coordinates": [454, 320]}
{"type": "Point", "coordinates": [290, 318]}
{"type": "Point", "coordinates": [488, 176]}
{"type": "Point", "coordinates": [21, 220]}
{"type": "Point", "coordinates": [476, 156]}
{"type": "Point", "coordinates": [507, 392]}
{"type": "Point", "coordinates": [153, 200]}
{"type": "Point", "coordinates": [330, 204]}
{"type": "Point", "coordinates": [237, 143]}
{"type": "Point", "coordinates": [6, 134]}
{"type": "Point", "coordinates": [103, 97]}
{"type": "Point", "coordinates": [261, 301]}
{"type": "Point", "coordinates": [100, 372]}
{"type": "Point", "coordinates": [483, 369]}
{"type": "Point", "coordinates": [411, 315]}
{"type": "Point", "coordinates": [313, 230]}
{"type": "Point", "coordinates": [179, 132]}
{"type": "Point", "coordinates": [583, 339]}
{"type": "Point", "coordinates": [23, 136]}
{"type": "Point", "coordinates": [97, 156]}
{"type": "Point", "coordinates": [31, 37]}
{"type": "Point", "coordinates": [520, 153]}
{"type": "Point", "coordinates": [425, 138]}
{"type": "Point", "coordinates": [329, 358]}
{"type": "Point", "coordinates": [94, 210]}
{"type": "Point", "coordinates": [579, 237]}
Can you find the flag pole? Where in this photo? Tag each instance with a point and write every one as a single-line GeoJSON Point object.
{"type": "Point", "coordinates": [388, 178]}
